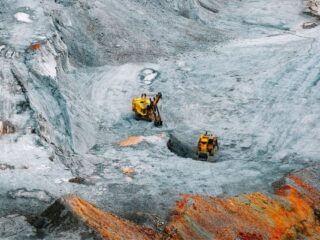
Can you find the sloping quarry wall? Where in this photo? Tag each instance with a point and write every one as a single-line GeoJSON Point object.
{"type": "Point", "coordinates": [60, 82]}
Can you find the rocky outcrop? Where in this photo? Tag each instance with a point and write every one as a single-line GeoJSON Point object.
{"type": "Point", "coordinates": [292, 212]}
{"type": "Point", "coordinates": [72, 212]}
{"type": "Point", "coordinates": [308, 25]}
{"type": "Point", "coordinates": [313, 7]}
{"type": "Point", "coordinates": [252, 216]}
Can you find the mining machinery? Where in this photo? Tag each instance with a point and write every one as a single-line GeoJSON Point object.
{"type": "Point", "coordinates": [146, 108]}
{"type": "Point", "coordinates": [207, 146]}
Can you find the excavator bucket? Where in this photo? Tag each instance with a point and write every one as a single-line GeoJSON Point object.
{"type": "Point", "coordinates": [157, 117]}
{"type": "Point", "coordinates": [158, 122]}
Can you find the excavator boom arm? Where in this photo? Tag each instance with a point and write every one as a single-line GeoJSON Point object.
{"type": "Point", "coordinates": [157, 99]}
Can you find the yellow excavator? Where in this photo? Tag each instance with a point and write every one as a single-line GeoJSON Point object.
{"type": "Point", "coordinates": [207, 146]}
{"type": "Point", "coordinates": [146, 108]}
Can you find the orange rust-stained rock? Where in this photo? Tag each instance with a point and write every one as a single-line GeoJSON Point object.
{"type": "Point", "coordinates": [130, 141]}
{"type": "Point", "coordinates": [106, 225]}
{"type": "Point", "coordinates": [251, 216]}
{"type": "Point", "coordinates": [291, 213]}
{"type": "Point", "coordinates": [309, 192]}
{"type": "Point", "coordinates": [35, 46]}
{"type": "Point", "coordinates": [129, 171]}
{"type": "Point", "coordinates": [135, 140]}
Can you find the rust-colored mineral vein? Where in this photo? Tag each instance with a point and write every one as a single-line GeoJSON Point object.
{"type": "Point", "coordinates": [107, 225]}
{"type": "Point", "coordinates": [306, 189]}
{"type": "Point", "coordinates": [291, 213]}
{"type": "Point", "coordinates": [251, 216]}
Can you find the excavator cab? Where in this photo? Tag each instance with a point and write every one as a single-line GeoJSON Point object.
{"type": "Point", "coordinates": [207, 146]}
{"type": "Point", "coordinates": [146, 108]}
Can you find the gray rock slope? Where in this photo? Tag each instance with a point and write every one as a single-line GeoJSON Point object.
{"type": "Point", "coordinates": [245, 70]}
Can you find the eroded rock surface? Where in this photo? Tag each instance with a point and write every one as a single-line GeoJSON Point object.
{"type": "Point", "coordinates": [16, 227]}
{"type": "Point", "coordinates": [292, 212]}
{"type": "Point", "coordinates": [74, 213]}
{"type": "Point", "coordinates": [69, 70]}
{"type": "Point", "coordinates": [313, 7]}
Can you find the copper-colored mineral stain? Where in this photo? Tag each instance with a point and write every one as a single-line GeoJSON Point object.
{"type": "Point", "coordinates": [291, 213]}
{"type": "Point", "coordinates": [35, 46]}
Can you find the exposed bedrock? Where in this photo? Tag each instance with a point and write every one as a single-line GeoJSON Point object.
{"type": "Point", "coordinates": [292, 212]}
{"type": "Point", "coordinates": [60, 80]}
{"type": "Point", "coordinates": [184, 144]}
{"type": "Point", "coordinates": [73, 214]}
{"type": "Point", "coordinates": [313, 7]}
{"type": "Point", "coordinates": [13, 225]}
{"type": "Point", "coordinates": [91, 42]}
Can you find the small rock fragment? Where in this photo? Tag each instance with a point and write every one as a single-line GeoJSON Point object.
{"type": "Point", "coordinates": [23, 17]}
{"type": "Point", "coordinates": [35, 46]}
{"type": "Point", "coordinates": [6, 127]}
{"type": "Point", "coordinates": [309, 25]}
{"type": "Point", "coordinates": [77, 180]}
{"type": "Point", "coordinates": [2, 47]}
{"type": "Point", "coordinates": [4, 166]}
{"type": "Point", "coordinates": [148, 75]}
{"type": "Point", "coordinates": [129, 171]}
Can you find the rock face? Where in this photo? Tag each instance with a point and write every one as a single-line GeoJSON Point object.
{"type": "Point", "coordinates": [292, 212]}
{"type": "Point", "coordinates": [71, 212]}
{"type": "Point", "coordinates": [60, 78]}
{"type": "Point", "coordinates": [314, 7]}
{"type": "Point", "coordinates": [13, 225]}
{"type": "Point", "coordinates": [184, 144]}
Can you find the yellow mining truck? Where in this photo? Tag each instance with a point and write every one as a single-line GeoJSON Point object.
{"type": "Point", "coordinates": [146, 108]}
{"type": "Point", "coordinates": [207, 146]}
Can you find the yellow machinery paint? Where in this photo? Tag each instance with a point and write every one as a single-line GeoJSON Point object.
{"type": "Point", "coordinates": [146, 108]}
{"type": "Point", "coordinates": [207, 145]}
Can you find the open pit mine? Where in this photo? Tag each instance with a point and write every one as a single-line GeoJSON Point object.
{"type": "Point", "coordinates": [160, 119]}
